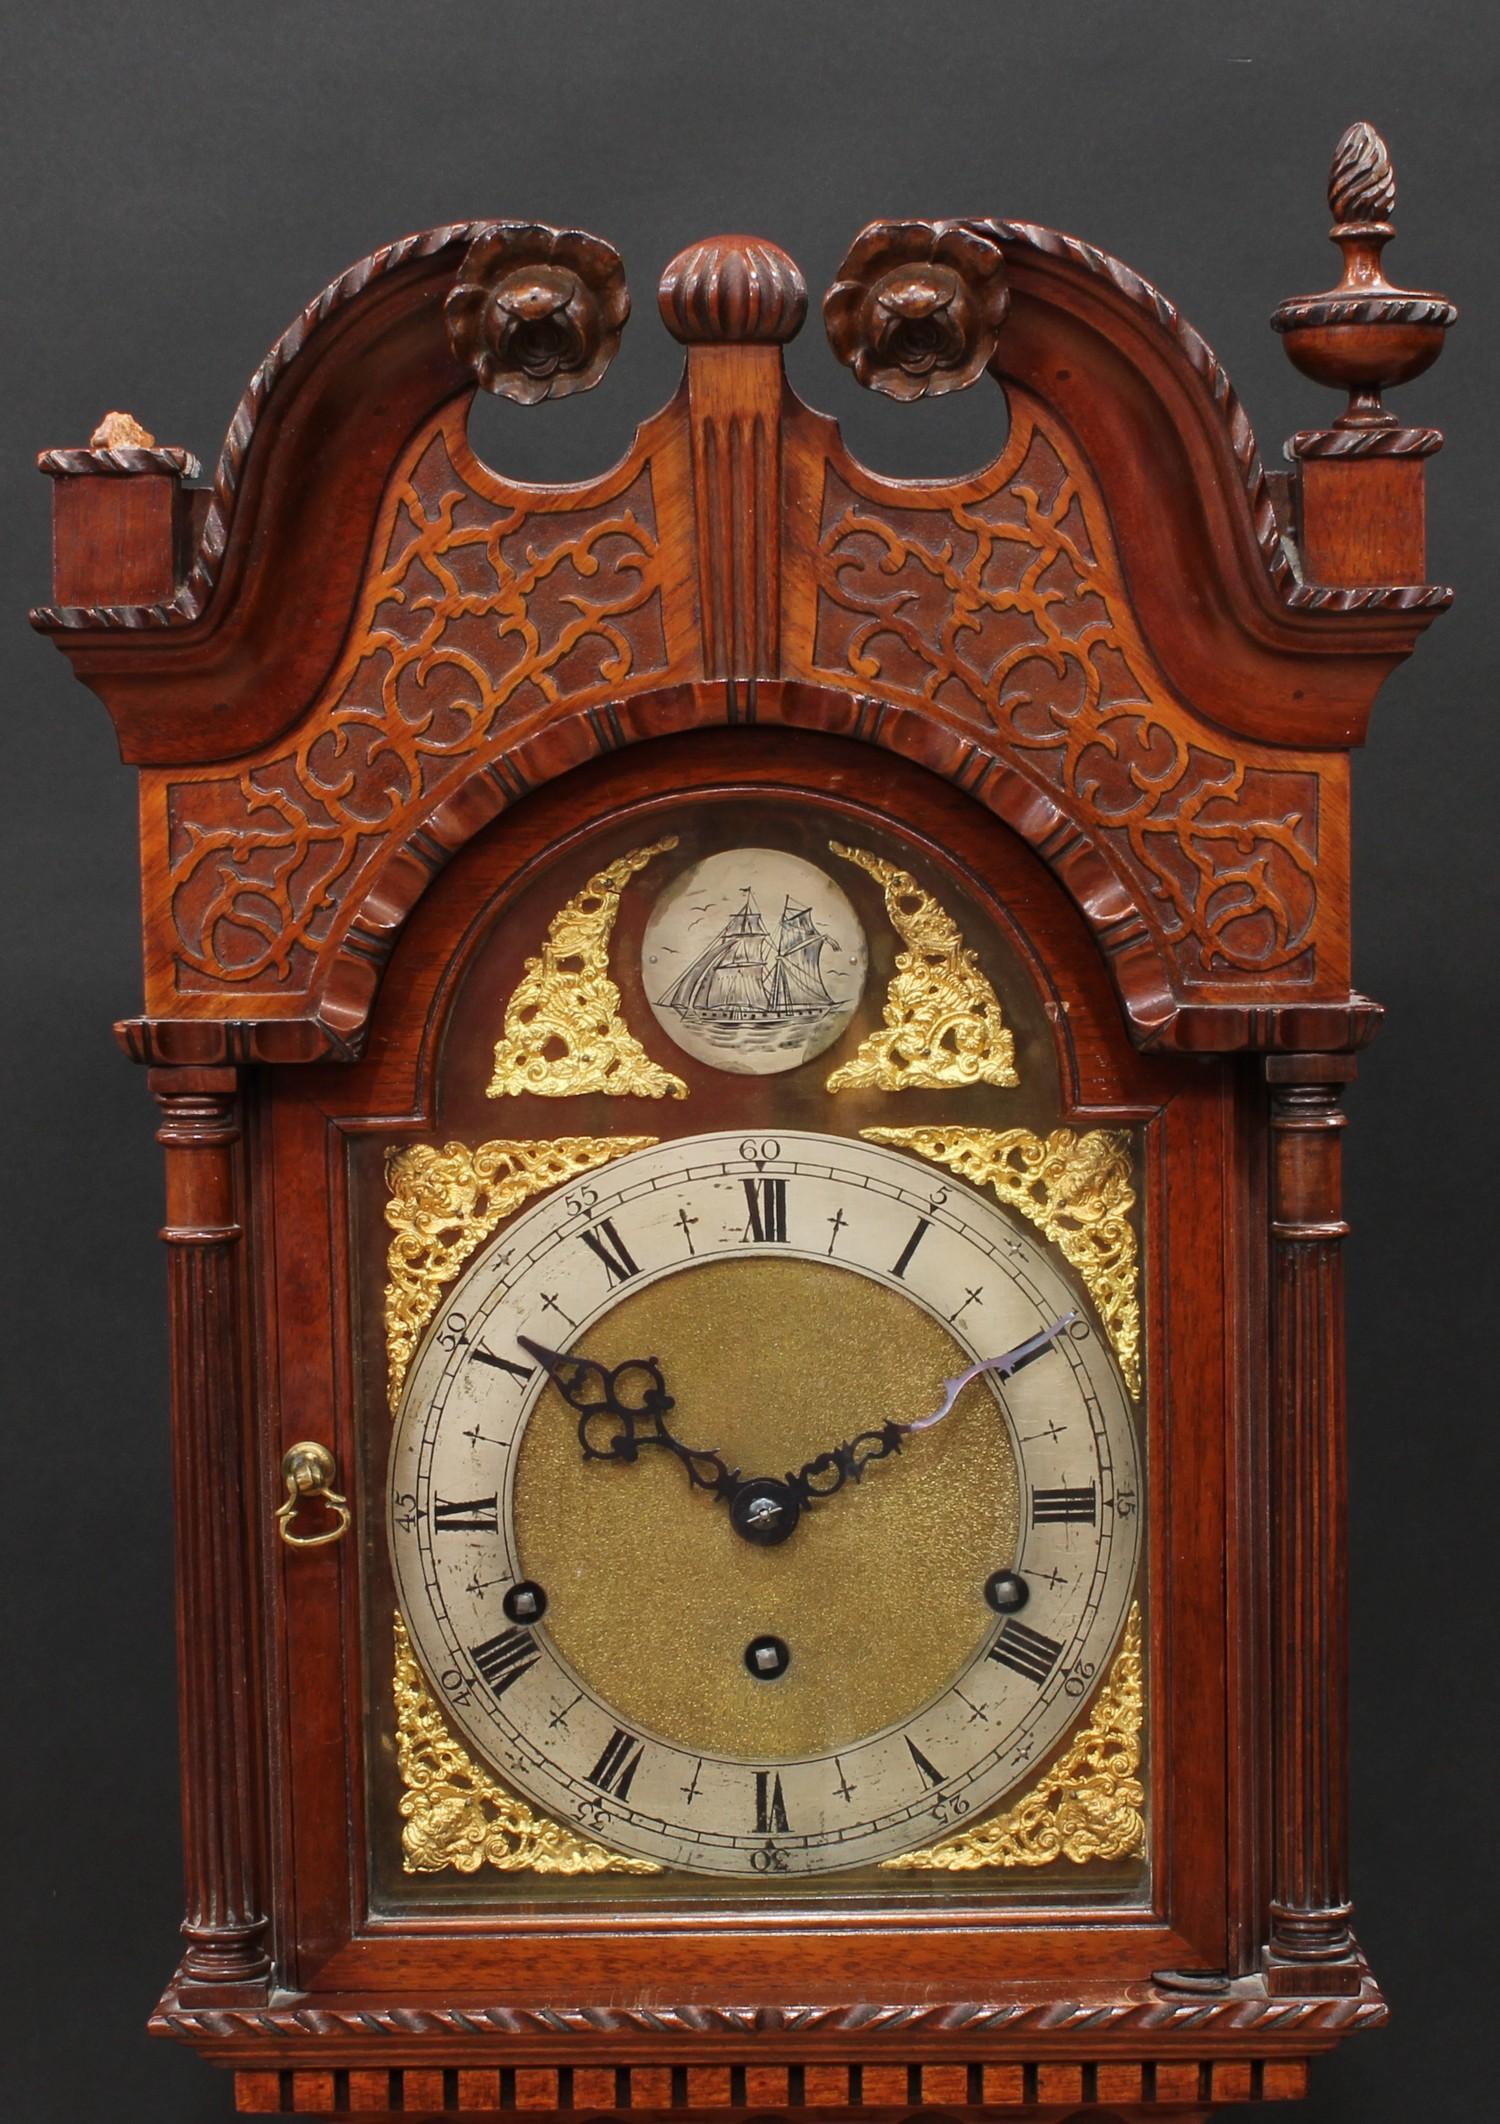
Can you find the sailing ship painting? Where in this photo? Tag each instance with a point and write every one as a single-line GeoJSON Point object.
{"type": "Point", "coordinates": [745, 992]}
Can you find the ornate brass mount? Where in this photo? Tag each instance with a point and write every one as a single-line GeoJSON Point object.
{"type": "Point", "coordinates": [943, 1027]}
{"type": "Point", "coordinates": [1088, 1805]}
{"type": "Point", "coordinates": [1075, 1189]}
{"type": "Point", "coordinates": [307, 1472]}
{"type": "Point", "coordinates": [564, 1034]}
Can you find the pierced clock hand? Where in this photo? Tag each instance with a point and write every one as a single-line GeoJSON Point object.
{"type": "Point", "coordinates": [1004, 1367]}
{"type": "Point", "coordinates": [624, 1407]}
{"type": "Point", "coordinates": [632, 1397]}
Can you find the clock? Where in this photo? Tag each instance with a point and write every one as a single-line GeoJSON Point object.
{"type": "Point", "coordinates": [837, 1630]}
{"type": "Point", "coordinates": [749, 1061]}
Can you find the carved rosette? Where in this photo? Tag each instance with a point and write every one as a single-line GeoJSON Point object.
{"type": "Point", "coordinates": [1088, 1805]}
{"type": "Point", "coordinates": [917, 306]}
{"type": "Point", "coordinates": [454, 1814]}
{"type": "Point", "coordinates": [943, 1028]}
{"type": "Point", "coordinates": [1075, 1189]}
{"type": "Point", "coordinates": [537, 312]}
{"type": "Point", "coordinates": [445, 1202]}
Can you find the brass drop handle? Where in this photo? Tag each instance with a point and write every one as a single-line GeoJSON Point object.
{"type": "Point", "coordinates": [307, 1470]}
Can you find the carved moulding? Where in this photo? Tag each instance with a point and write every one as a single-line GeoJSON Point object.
{"type": "Point", "coordinates": [443, 1203]}
{"type": "Point", "coordinates": [1086, 1805]}
{"type": "Point", "coordinates": [455, 1815]}
{"type": "Point", "coordinates": [563, 1031]}
{"type": "Point", "coordinates": [1075, 1189]}
{"type": "Point", "coordinates": [943, 1026]}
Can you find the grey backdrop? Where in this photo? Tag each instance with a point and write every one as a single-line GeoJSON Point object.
{"type": "Point", "coordinates": [178, 181]}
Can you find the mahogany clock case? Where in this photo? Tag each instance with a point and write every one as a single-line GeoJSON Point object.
{"type": "Point", "coordinates": [97, 1863]}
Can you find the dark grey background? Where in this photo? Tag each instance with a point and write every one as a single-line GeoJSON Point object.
{"type": "Point", "coordinates": [179, 180]}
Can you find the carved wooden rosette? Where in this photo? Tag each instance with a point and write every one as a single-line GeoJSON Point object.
{"type": "Point", "coordinates": [1311, 1947]}
{"type": "Point", "coordinates": [225, 1921]}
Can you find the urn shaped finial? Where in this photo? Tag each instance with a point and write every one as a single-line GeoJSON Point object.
{"type": "Point", "coordinates": [1367, 333]}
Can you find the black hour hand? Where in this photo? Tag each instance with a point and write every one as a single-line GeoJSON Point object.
{"type": "Point", "coordinates": [622, 1408]}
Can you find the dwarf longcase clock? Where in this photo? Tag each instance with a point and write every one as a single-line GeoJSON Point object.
{"type": "Point", "coordinates": [749, 1057]}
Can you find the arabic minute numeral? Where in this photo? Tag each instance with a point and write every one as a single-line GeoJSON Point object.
{"type": "Point", "coordinates": [454, 1332]}
{"type": "Point", "coordinates": [950, 1808]}
{"type": "Point", "coordinates": [581, 1201]}
{"type": "Point", "coordinates": [1124, 1503]}
{"type": "Point", "coordinates": [1078, 1676]}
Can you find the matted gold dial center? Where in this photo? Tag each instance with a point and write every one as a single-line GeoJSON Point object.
{"type": "Point", "coordinates": [877, 1593]}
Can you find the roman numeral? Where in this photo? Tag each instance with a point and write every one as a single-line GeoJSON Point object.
{"type": "Point", "coordinates": [1058, 1507]}
{"type": "Point", "coordinates": [1026, 1651]}
{"type": "Point", "coordinates": [615, 1770]}
{"type": "Point", "coordinates": [471, 1515]}
{"type": "Point", "coordinates": [765, 1200]}
{"type": "Point", "coordinates": [611, 1249]}
{"type": "Point", "coordinates": [504, 1659]}
{"type": "Point", "coordinates": [933, 1775]}
{"type": "Point", "coordinates": [523, 1372]}
{"type": "Point", "coordinates": [770, 1807]}
{"type": "Point", "coordinates": [919, 1233]}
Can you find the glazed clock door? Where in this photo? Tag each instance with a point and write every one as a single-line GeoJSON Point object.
{"type": "Point", "coordinates": [755, 1266]}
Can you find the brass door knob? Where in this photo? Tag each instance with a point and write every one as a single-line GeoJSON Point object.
{"type": "Point", "coordinates": [307, 1472]}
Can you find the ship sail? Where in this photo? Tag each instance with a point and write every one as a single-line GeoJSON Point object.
{"type": "Point", "coordinates": [729, 980]}
{"type": "Point", "coordinates": [743, 978]}
{"type": "Point", "coordinates": [797, 984]}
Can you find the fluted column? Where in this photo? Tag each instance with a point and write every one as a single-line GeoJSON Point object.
{"type": "Point", "coordinates": [1311, 1948]}
{"type": "Point", "coordinates": [224, 1923]}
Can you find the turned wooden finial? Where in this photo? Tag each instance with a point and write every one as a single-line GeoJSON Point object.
{"type": "Point", "coordinates": [1365, 334]}
{"type": "Point", "coordinates": [733, 290]}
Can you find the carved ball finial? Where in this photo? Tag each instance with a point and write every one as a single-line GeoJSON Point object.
{"type": "Point", "coordinates": [537, 312]}
{"type": "Point", "coordinates": [917, 306]}
{"type": "Point", "coordinates": [1367, 333]}
{"type": "Point", "coordinates": [1361, 182]}
{"type": "Point", "coordinates": [733, 290]}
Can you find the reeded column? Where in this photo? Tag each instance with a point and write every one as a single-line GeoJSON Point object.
{"type": "Point", "coordinates": [1311, 1948]}
{"type": "Point", "coordinates": [224, 1922]}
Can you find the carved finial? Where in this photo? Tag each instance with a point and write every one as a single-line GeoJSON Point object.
{"type": "Point", "coordinates": [1361, 182]}
{"type": "Point", "coordinates": [120, 431]}
{"type": "Point", "coordinates": [917, 306]}
{"type": "Point", "coordinates": [537, 312]}
{"type": "Point", "coordinates": [736, 290]}
{"type": "Point", "coordinates": [1367, 333]}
